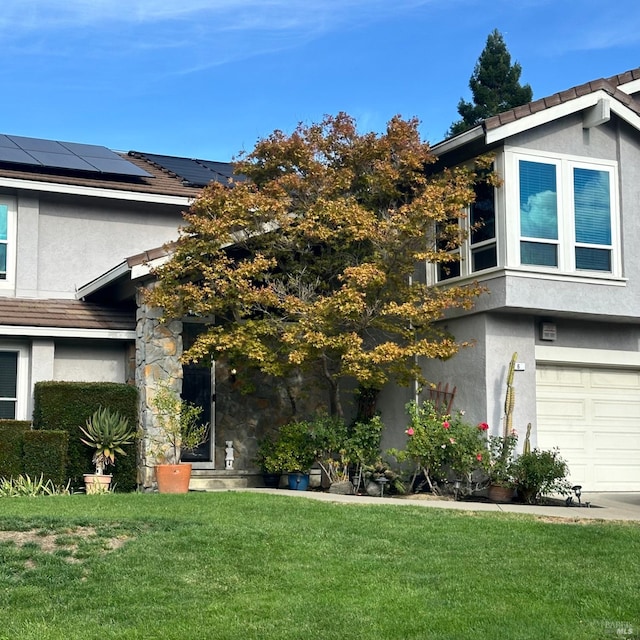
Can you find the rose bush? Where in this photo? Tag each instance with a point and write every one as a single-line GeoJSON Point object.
{"type": "Point", "coordinates": [443, 447]}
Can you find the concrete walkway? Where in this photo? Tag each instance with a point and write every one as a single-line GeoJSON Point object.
{"type": "Point", "coordinates": [605, 506]}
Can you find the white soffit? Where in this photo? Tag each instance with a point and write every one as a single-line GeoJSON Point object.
{"type": "Point", "coordinates": [102, 281]}
{"type": "Point", "coordinates": [559, 111]}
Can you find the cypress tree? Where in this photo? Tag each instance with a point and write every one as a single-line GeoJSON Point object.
{"type": "Point", "coordinates": [495, 86]}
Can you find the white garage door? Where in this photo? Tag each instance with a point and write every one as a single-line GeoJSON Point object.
{"type": "Point", "coordinates": [593, 416]}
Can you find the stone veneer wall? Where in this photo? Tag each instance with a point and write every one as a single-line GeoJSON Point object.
{"type": "Point", "coordinates": [251, 406]}
{"type": "Point", "coordinates": [158, 351]}
{"type": "Point", "coordinates": [248, 406]}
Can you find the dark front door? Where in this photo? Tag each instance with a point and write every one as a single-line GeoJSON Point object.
{"type": "Point", "coordinates": [197, 386]}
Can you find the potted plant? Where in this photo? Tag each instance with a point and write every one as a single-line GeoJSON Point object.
{"type": "Point", "coordinates": [333, 452]}
{"type": "Point", "coordinates": [295, 453]}
{"type": "Point", "coordinates": [107, 432]}
{"type": "Point", "coordinates": [266, 458]}
{"type": "Point", "coordinates": [500, 467]}
{"type": "Point", "coordinates": [180, 430]}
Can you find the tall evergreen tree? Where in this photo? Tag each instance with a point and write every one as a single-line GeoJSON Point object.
{"type": "Point", "coordinates": [495, 86]}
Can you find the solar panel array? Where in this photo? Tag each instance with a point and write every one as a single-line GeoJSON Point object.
{"type": "Point", "coordinates": [195, 173]}
{"type": "Point", "coordinates": [37, 152]}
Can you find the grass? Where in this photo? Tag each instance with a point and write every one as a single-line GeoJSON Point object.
{"type": "Point", "coordinates": [246, 565]}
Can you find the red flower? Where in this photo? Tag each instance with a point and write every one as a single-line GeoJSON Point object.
{"type": "Point", "coordinates": [410, 431]}
{"type": "Point", "coordinates": [445, 424]}
{"type": "Point", "coordinates": [479, 457]}
{"type": "Point", "coordinates": [483, 426]}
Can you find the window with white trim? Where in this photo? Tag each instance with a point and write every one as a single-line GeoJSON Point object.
{"type": "Point", "coordinates": [8, 384]}
{"type": "Point", "coordinates": [567, 214]}
{"type": "Point", "coordinates": [479, 250]}
{"type": "Point", "coordinates": [7, 241]}
{"type": "Point", "coordinates": [4, 239]}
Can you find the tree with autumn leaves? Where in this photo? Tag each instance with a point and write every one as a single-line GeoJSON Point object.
{"type": "Point", "coordinates": [315, 257]}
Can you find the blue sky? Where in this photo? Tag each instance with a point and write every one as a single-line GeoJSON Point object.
{"type": "Point", "coordinates": [208, 78]}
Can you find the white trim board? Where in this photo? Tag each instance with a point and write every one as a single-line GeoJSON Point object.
{"type": "Point", "coordinates": [596, 357]}
{"type": "Point", "coordinates": [114, 194]}
{"type": "Point", "coordinates": [61, 332]}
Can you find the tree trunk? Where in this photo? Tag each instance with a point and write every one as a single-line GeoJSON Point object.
{"type": "Point", "coordinates": [367, 403]}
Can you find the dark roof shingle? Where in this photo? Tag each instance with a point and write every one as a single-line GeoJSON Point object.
{"type": "Point", "coordinates": [66, 314]}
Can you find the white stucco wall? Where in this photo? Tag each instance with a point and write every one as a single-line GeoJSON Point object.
{"type": "Point", "coordinates": [90, 362]}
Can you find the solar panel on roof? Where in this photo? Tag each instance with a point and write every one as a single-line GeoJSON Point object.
{"type": "Point", "coordinates": [5, 142]}
{"type": "Point", "coordinates": [65, 155]}
{"type": "Point", "coordinates": [61, 160]}
{"type": "Point", "coordinates": [197, 173]}
{"type": "Point", "coordinates": [13, 154]}
{"type": "Point", "coordinates": [116, 165]}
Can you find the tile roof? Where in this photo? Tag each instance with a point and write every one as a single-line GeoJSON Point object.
{"type": "Point", "coordinates": [161, 182]}
{"type": "Point", "coordinates": [609, 85]}
{"type": "Point", "coordinates": [68, 314]}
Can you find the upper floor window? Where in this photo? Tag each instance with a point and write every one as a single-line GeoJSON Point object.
{"type": "Point", "coordinates": [567, 214]}
{"type": "Point", "coordinates": [479, 250]}
{"type": "Point", "coordinates": [8, 221]}
{"type": "Point", "coordinates": [4, 239]}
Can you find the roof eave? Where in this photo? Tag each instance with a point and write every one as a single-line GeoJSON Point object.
{"type": "Point", "coordinates": [451, 144]}
{"type": "Point", "coordinates": [570, 107]}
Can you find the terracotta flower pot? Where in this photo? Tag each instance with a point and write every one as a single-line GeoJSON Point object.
{"type": "Point", "coordinates": [498, 493]}
{"type": "Point", "coordinates": [94, 483]}
{"type": "Point", "coordinates": [173, 478]}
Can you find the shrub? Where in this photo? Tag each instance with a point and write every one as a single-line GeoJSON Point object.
{"type": "Point", "coordinates": [11, 447]}
{"type": "Point", "coordinates": [443, 447]}
{"type": "Point", "coordinates": [294, 447]}
{"type": "Point", "coordinates": [539, 473]}
{"type": "Point", "coordinates": [45, 455]}
{"type": "Point", "coordinates": [68, 405]}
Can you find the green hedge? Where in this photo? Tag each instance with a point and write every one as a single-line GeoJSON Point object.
{"type": "Point", "coordinates": [45, 453]}
{"type": "Point", "coordinates": [68, 405]}
{"type": "Point", "coordinates": [11, 444]}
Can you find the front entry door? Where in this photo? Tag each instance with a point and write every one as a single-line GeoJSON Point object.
{"type": "Point", "coordinates": [197, 389]}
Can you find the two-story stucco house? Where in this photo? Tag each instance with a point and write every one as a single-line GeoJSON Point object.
{"type": "Point", "coordinates": [558, 253]}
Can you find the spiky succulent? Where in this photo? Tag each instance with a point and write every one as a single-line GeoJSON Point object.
{"type": "Point", "coordinates": [107, 432]}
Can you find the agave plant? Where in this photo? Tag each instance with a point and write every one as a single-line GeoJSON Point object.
{"type": "Point", "coordinates": [107, 432]}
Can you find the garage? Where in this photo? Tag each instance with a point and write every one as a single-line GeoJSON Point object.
{"type": "Point", "coordinates": [592, 415]}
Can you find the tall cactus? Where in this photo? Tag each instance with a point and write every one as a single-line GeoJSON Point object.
{"type": "Point", "coordinates": [510, 397]}
{"type": "Point", "coordinates": [527, 441]}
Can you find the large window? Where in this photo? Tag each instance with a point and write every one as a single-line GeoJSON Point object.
{"type": "Point", "coordinates": [479, 251]}
{"type": "Point", "coordinates": [4, 239]}
{"type": "Point", "coordinates": [567, 214]}
{"type": "Point", "coordinates": [8, 219]}
{"type": "Point", "coordinates": [8, 383]}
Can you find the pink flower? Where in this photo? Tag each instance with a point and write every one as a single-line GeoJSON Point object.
{"type": "Point", "coordinates": [446, 424]}
{"type": "Point", "coordinates": [483, 426]}
{"type": "Point", "coordinates": [479, 457]}
{"type": "Point", "coordinates": [410, 431]}
{"type": "Point", "coordinates": [452, 441]}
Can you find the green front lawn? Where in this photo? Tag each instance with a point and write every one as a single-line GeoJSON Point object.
{"type": "Point", "coordinates": [246, 565]}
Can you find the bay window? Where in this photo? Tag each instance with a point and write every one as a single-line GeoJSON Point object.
{"type": "Point", "coordinates": [479, 250]}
